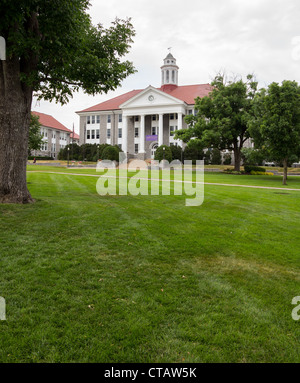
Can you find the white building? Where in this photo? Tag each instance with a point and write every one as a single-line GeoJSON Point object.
{"type": "Point", "coordinates": [141, 120]}
{"type": "Point", "coordinates": [55, 136]}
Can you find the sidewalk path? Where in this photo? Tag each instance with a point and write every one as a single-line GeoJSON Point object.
{"type": "Point", "coordinates": [177, 181]}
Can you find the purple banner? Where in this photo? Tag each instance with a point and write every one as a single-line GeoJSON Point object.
{"type": "Point", "coordinates": [154, 137]}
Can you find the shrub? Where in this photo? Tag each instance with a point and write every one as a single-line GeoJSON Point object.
{"type": "Point", "coordinates": [207, 157]}
{"type": "Point", "coordinates": [193, 151]}
{"type": "Point", "coordinates": [249, 168]}
{"type": "Point", "coordinates": [251, 156]}
{"type": "Point", "coordinates": [256, 173]}
{"type": "Point", "coordinates": [232, 171]}
{"type": "Point", "coordinates": [216, 157]}
{"type": "Point", "coordinates": [160, 155]}
{"type": "Point", "coordinates": [176, 152]}
{"type": "Point", "coordinates": [111, 153]}
{"type": "Point", "coordinates": [227, 159]}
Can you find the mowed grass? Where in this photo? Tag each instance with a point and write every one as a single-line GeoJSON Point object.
{"type": "Point", "coordinates": [146, 279]}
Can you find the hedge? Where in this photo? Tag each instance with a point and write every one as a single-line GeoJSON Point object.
{"type": "Point", "coordinates": [249, 169]}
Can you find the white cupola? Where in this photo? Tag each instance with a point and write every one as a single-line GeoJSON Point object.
{"type": "Point", "coordinates": [169, 71]}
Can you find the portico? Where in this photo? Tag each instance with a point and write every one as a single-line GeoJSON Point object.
{"type": "Point", "coordinates": [155, 116]}
{"type": "Point", "coordinates": [141, 120]}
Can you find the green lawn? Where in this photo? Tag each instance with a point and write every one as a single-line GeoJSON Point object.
{"type": "Point", "coordinates": [147, 279]}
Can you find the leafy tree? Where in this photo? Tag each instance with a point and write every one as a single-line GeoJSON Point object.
{"type": "Point", "coordinates": [163, 152]}
{"type": "Point", "coordinates": [194, 151]}
{"type": "Point", "coordinates": [35, 138]}
{"type": "Point", "coordinates": [176, 152]}
{"type": "Point", "coordinates": [222, 119]}
{"type": "Point", "coordinates": [111, 153]}
{"type": "Point", "coordinates": [251, 156]}
{"type": "Point", "coordinates": [227, 159]}
{"type": "Point", "coordinates": [276, 126]}
{"type": "Point", "coordinates": [216, 157]}
{"type": "Point", "coordinates": [53, 50]}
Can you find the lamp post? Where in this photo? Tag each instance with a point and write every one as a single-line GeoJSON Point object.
{"type": "Point", "coordinates": [68, 155]}
{"type": "Point", "coordinates": [164, 152]}
{"type": "Point", "coordinates": [97, 153]}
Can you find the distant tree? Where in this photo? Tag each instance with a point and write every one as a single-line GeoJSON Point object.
{"type": "Point", "coordinates": [53, 50]}
{"type": "Point", "coordinates": [251, 156]}
{"type": "Point", "coordinates": [216, 157]}
{"type": "Point", "coordinates": [176, 152]}
{"type": "Point", "coordinates": [163, 152]}
{"type": "Point", "coordinates": [194, 151]}
{"type": "Point", "coordinates": [227, 159]}
{"type": "Point", "coordinates": [276, 126]}
{"type": "Point", "coordinates": [35, 138]}
{"type": "Point", "coordinates": [111, 153]}
{"type": "Point", "coordinates": [222, 119]}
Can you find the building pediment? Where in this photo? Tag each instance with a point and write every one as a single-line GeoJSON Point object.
{"type": "Point", "coordinates": [151, 97]}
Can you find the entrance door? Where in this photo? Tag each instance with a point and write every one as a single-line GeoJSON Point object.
{"type": "Point", "coordinates": [153, 150]}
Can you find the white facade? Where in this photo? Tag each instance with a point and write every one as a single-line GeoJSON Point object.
{"type": "Point", "coordinates": [145, 119]}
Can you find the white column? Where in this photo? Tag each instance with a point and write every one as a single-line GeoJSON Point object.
{"type": "Point", "coordinates": [179, 121]}
{"type": "Point", "coordinates": [142, 134]}
{"type": "Point", "coordinates": [125, 135]}
{"type": "Point", "coordinates": [180, 126]}
{"type": "Point", "coordinates": [160, 130]}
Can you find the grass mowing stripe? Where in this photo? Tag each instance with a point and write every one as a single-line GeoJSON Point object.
{"type": "Point", "coordinates": [146, 279]}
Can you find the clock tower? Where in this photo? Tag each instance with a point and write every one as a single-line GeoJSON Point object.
{"type": "Point", "coordinates": [169, 72]}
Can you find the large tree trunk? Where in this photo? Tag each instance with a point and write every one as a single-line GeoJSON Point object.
{"type": "Point", "coordinates": [285, 169]}
{"type": "Point", "coordinates": [15, 108]}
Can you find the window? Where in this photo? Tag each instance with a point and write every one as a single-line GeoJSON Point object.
{"type": "Point", "coordinates": [136, 132]}
{"type": "Point", "coordinates": [136, 148]}
{"type": "Point", "coordinates": [98, 119]}
{"type": "Point", "coordinates": [108, 133]}
{"type": "Point", "coordinates": [97, 133]}
{"type": "Point", "coordinates": [153, 130]}
{"type": "Point", "coordinates": [120, 118]}
{"type": "Point", "coordinates": [173, 116]}
{"type": "Point", "coordinates": [88, 119]}
{"type": "Point", "coordinates": [93, 119]}
{"type": "Point", "coordinates": [88, 134]}
{"type": "Point", "coordinates": [167, 76]}
{"type": "Point", "coordinates": [120, 146]}
{"type": "Point", "coordinates": [93, 134]}
{"type": "Point", "coordinates": [190, 111]}
{"type": "Point", "coordinates": [172, 130]}
{"type": "Point", "coordinates": [154, 117]}
{"type": "Point", "coordinates": [136, 118]}
{"type": "Point", "coordinates": [120, 132]}
{"type": "Point", "coordinates": [173, 75]}
{"type": "Point", "coordinates": [108, 118]}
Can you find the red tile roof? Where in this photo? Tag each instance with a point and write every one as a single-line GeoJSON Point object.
{"type": "Point", "coordinates": [76, 137]}
{"type": "Point", "coordinates": [186, 93]}
{"type": "Point", "coordinates": [113, 103]}
{"type": "Point", "coordinates": [50, 122]}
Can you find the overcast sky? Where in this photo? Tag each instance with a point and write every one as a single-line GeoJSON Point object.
{"type": "Point", "coordinates": [236, 36]}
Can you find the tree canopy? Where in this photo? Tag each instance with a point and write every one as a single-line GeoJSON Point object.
{"type": "Point", "coordinates": [276, 126]}
{"type": "Point", "coordinates": [35, 139]}
{"type": "Point", "coordinates": [222, 118]}
{"type": "Point", "coordinates": [52, 50]}
{"type": "Point", "coordinates": [59, 49]}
